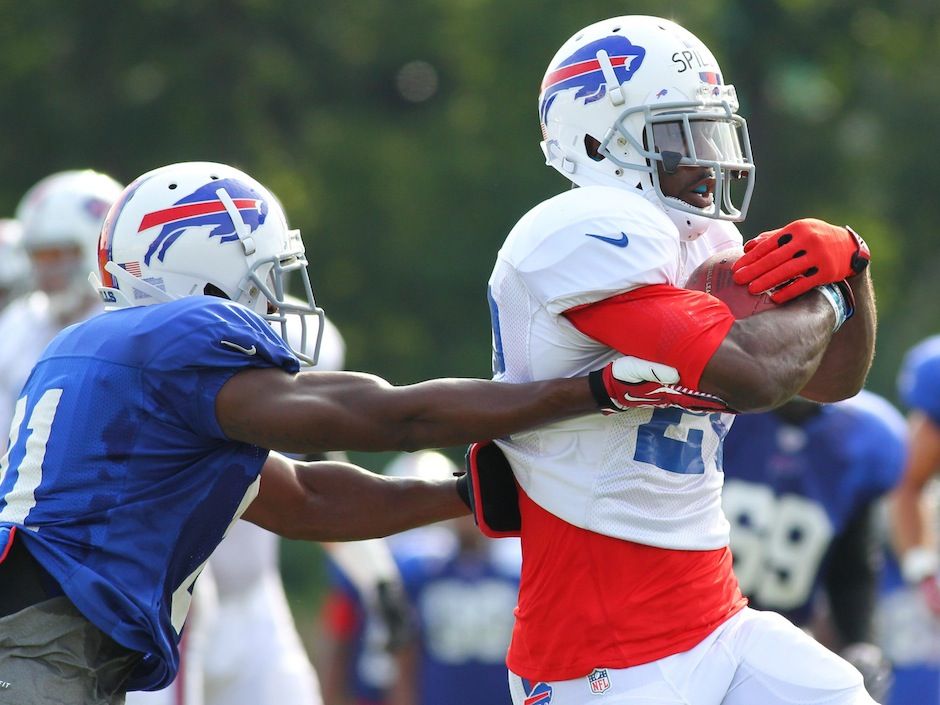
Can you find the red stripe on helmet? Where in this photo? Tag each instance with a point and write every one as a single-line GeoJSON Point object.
{"type": "Point", "coordinates": [566, 72]}
{"type": "Point", "coordinates": [190, 210]}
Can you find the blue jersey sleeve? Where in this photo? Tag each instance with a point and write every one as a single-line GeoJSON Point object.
{"type": "Point", "coordinates": [207, 345]}
{"type": "Point", "coordinates": [919, 379]}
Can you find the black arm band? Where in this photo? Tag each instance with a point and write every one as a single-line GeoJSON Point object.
{"type": "Point", "coordinates": [599, 390]}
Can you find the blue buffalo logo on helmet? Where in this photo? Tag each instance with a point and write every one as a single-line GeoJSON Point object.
{"type": "Point", "coordinates": [203, 209]}
{"type": "Point", "coordinates": [582, 70]}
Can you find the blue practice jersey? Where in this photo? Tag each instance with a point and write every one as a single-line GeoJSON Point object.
{"type": "Point", "coordinates": [118, 477]}
{"type": "Point", "coordinates": [464, 605]}
{"type": "Point", "coordinates": [790, 490]}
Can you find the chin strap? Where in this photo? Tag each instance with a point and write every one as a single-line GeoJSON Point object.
{"type": "Point", "coordinates": [614, 89]}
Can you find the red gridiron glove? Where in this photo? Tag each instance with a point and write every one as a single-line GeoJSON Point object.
{"type": "Point", "coordinates": [630, 382]}
{"type": "Point", "coordinates": [806, 253]}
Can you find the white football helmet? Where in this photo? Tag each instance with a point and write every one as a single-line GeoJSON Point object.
{"type": "Point", "coordinates": [197, 228]}
{"type": "Point", "coordinates": [64, 212]}
{"type": "Point", "coordinates": [14, 265]}
{"type": "Point", "coordinates": [426, 464]}
{"type": "Point", "coordinates": [630, 93]}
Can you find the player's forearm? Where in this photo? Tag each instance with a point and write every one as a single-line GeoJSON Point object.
{"type": "Point", "coordinates": [908, 516]}
{"type": "Point", "coordinates": [848, 357]}
{"type": "Point", "coordinates": [453, 412]}
{"type": "Point", "coordinates": [347, 503]}
{"type": "Point", "coordinates": [768, 358]}
{"type": "Point", "coordinates": [447, 412]}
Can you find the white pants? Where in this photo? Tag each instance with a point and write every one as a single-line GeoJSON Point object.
{"type": "Point", "coordinates": [755, 658]}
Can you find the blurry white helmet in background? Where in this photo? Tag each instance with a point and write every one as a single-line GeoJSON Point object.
{"type": "Point", "coordinates": [197, 228]}
{"type": "Point", "coordinates": [15, 272]}
{"type": "Point", "coordinates": [426, 464]}
{"type": "Point", "coordinates": [61, 218]}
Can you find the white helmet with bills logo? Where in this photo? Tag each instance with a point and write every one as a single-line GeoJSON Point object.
{"type": "Point", "coordinates": [198, 228]}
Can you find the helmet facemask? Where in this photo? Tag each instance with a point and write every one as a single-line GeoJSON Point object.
{"type": "Point", "coordinates": [708, 135]}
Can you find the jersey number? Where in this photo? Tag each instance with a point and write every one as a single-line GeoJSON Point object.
{"type": "Point", "coordinates": [21, 498]}
{"type": "Point", "coordinates": [777, 543]}
{"type": "Point", "coordinates": [672, 440]}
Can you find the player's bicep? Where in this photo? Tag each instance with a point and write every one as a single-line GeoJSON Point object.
{"type": "Point", "coordinates": [678, 327]}
{"type": "Point", "coordinates": [281, 495]}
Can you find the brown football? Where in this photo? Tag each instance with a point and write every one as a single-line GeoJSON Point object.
{"type": "Point", "coordinates": [713, 276]}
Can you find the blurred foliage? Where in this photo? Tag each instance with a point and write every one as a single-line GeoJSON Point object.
{"type": "Point", "coordinates": [403, 138]}
{"type": "Point", "coordinates": [404, 197]}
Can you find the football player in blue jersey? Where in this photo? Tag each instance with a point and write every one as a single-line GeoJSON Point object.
{"type": "Point", "coordinates": [910, 609]}
{"type": "Point", "coordinates": [463, 601]}
{"type": "Point", "coordinates": [141, 435]}
{"type": "Point", "coordinates": [801, 486]}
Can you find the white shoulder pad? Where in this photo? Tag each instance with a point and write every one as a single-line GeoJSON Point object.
{"type": "Point", "coordinates": [591, 243]}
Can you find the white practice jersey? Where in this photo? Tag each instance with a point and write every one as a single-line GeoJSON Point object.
{"type": "Point", "coordinates": [27, 325]}
{"type": "Point", "coordinates": [651, 476]}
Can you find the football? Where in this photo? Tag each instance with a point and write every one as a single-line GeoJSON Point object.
{"type": "Point", "coordinates": [713, 276]}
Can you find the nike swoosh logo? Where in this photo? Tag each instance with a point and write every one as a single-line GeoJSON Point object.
{"type": "Point", "coordinates": [235, 346]}
{"type": "Point", "coordinates": [621, 241]}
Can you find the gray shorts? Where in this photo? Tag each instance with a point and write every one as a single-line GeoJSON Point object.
{"type": "Point", "coordinates": [51, 655]}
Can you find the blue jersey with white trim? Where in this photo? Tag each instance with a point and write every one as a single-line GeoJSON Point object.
{"type": "Point", "coordinates": [118, 475]}
{"type": "Point", "coordinates": [464, 607]}
{"type": "Point", "coordinates": [791, 489]}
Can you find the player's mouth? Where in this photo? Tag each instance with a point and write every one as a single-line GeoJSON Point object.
{"type": "Point", "coordinates": [700, 193]}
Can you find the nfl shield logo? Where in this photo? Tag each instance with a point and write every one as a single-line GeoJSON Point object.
{"type": "Point", "coordinates": [599, 681]}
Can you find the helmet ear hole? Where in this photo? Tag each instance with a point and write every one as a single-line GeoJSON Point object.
{"type": "Point", "coordinates": [592, 148]}
{"type": "Point", "coordinates": [213, 290]}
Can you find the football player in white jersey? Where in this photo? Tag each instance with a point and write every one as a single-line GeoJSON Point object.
{"type": "Point", "coordinates": [14, 266]}
{"type": "Point", "coordinates": [627, 588]}
{"type": "Point", "coordinates": [60, 219]}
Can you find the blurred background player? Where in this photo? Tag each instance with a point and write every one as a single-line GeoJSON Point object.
{"type": "Point", "coordinates": [61, 218]}
{"type": "Point", "coordinates": [363, 631]}
{"type": "Point", "coordinates": [14, 265]}
{"type": "Point", "coordinates": [461, 589]}
{"type": "Point", "coordinates": [909, 615]}
{"type": "Point", "coordinates": [802, 484]}
{"type": "Point", "coordinates": [463, 599]}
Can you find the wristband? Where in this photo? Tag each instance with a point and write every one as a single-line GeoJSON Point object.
{"type": "Point", "coordinates": [599, 390]}
{"type": "Point", "coordinates": [918, 563]}
{"type": "Point", "coordinates": [840, 297]}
